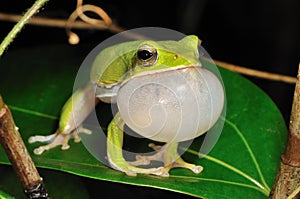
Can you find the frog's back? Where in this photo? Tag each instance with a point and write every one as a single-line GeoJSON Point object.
{"type": "Point", "coordinates": [113, 62]}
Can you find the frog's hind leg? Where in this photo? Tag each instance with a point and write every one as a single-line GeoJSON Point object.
{"type": "Point", "coordinates": [115, 152]}
{"type": "Point", "coordinates": [169, 156]}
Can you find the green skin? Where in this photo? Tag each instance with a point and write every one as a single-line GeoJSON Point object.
{"type": "Point", "coordinates": [167, 55]}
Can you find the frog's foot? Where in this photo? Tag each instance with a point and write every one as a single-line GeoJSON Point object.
{"type": "Point", "coordinates": [169, 156]}
{"type": "Point", "coordinates": [117, 162]}
{"type": "Point", "coordinates": [131, 170]}
{"type": "Point", "coordinates": [56, 139]}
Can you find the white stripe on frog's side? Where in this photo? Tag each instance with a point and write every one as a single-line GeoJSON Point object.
{"type": "Point", "coordinates": [107, 93]}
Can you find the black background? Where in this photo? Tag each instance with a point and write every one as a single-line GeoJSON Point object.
{"type": "Point", "coordinates": [259, 34]}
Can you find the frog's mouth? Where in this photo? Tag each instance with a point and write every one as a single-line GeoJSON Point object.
{"type": "Point", "coordinates": [162, 71]}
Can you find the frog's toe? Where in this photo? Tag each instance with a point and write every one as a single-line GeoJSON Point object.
{"type": "Point", "coordinates": [146, 159]}
{"type": "Point", "coordinates": [159, 171]}
{"type": "Point", "coordinates": [81, 129]}
{"type": "Point", "coordinates": [130, 173]}
{"type": "Point", "coordinates": [155, 147]}
{"type": "Point", "coordinates": [40, 138]}
{"type": "Point", "coordinates": [132, 170]}
{"type": "Point", "coordinates": [182, 164]}
{"type": "Point", "coordinates": [167, 154]}
{"type": "Point", "coordinates": [65, 146]}
{"type": "Point", "coordinates": [54, 140]}
{"type": "Point", "coordinates": [162, 171]}
{"type": "Point", "coordinates": [197, 169]}
{"type": "Point", "coordinates": [140, 160]}
{"type": "Point", "coordinates": [39, 150]}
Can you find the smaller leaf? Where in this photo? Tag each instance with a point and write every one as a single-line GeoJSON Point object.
{"type": "Point", "coordinates": [4, 195]}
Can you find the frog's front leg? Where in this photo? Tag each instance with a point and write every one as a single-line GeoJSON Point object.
{"type": "Point", "coordinates": [115, 155]}
{"type": "Point", "coordinates": [74, 112]}
{"type": "Point", "coordinates": [168, 155]}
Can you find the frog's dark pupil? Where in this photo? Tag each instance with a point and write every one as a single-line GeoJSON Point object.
{"type": "Point", "coordinates": [144, 54]}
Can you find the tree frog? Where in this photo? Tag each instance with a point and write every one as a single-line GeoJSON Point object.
{"type": "Point", "coordinates": [116, 66]}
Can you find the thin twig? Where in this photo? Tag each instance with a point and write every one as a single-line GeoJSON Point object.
{"type": "Point", "coordinates": [17, 28]}
{"type": "Point", "coordinates": [18, 155]}
{"type": "Point", "coordinates": [42, 21]}
{"type": "Point", "coordinates": [288, 177]}
{"type": "Point", "coordinates": [60, 23]}
{"type": "Point", "coordinates": [10, 137]}
{"type": "Point", "coordinates": [256, 73]}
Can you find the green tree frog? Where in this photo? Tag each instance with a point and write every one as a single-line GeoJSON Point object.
{"type": "Point", "coordinates": [148, 65]}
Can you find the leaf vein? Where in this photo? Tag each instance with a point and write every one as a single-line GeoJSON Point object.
{"type": "Point", "coordinates": [234, 126]}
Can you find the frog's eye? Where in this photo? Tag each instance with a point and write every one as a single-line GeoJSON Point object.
{"type": "Point", "coordinates": [147, 55]}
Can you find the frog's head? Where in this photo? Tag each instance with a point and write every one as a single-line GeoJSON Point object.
{"type": "Point", "coordinates": [143, 58]}
{"type": "Point", "coordinates": [165, 55]}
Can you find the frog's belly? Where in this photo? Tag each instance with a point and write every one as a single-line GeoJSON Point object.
{"type": "Point", "coordinates": [171, 106]}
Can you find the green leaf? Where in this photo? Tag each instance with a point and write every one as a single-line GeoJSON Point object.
{"type": "Point", "coordinates": [53, 180]}
{"type": "Point", "coordinates": [4, 195]}
{"type": "Point", "coordinates": [36, 82]}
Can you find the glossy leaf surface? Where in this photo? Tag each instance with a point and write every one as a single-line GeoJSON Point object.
{"type": "Point", "coordinates": [36, 82]}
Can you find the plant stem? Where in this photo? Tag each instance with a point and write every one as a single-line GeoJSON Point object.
{"type": "Point", "coordinates": [17, 28]}
{"type": "Point", "coordinates": [18, 155]}
{"type": "Point", "coordinates": [256, 73]}
{"type": "Point", "coordinates": [288, 176]}
{"type": "Point", "coordinates": [42, 21]}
